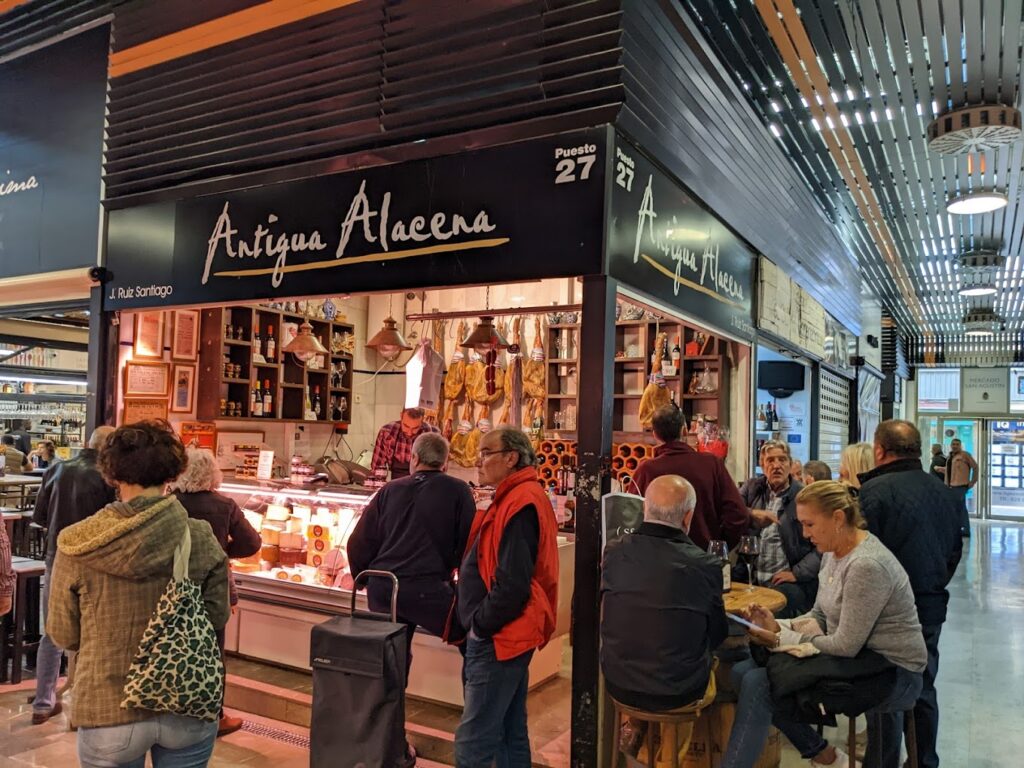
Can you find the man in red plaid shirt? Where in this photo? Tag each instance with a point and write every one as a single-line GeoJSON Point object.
{"type": "Point", "coordinates": [393, 448]}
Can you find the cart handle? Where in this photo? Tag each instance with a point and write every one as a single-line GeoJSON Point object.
{"type": "Point", "coordinates": [383, 574]}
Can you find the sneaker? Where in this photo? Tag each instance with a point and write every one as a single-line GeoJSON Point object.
{"type": "Point", "coordinates": [229, 725]}
{"type": "Point", "coordinates": [41, 716]}
{"type": "Point", "coordinates": [841, 761]}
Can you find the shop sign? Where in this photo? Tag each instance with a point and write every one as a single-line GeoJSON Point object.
{"type": "Point", "coordinates": [985, 390]}
{"type": "Point", "coordinates": [516, 212]}
{"type": "Point", "coordinates": [662, 242]}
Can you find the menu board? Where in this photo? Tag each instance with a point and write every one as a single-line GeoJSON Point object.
{"type": "Point", "coordinates": [138, 409]}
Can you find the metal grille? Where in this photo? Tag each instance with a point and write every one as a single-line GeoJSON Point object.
{"type": "Point", "coordinates": [276, 734]}
{"type": "Point", "coordinates": [35, 23]}
{"type": "Point", "coordinates": [833, 418]}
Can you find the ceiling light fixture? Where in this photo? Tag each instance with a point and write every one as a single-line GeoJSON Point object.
{"type": "Point", "coordinates": [980, 201]}
{"type": "Point", "coordinates": [982, 323]}
{"type": "Point", "coordinates": [389, 341]}
{"type": "Point", "coordinates": [974, 129]}
{"type": "Point", "coordinates": [305, 346]}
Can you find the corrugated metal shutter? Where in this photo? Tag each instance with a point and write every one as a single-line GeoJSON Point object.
{"type": "Point", "coordinates": [37, 22]}
{"type": "Point", "coordinates": [833, 418]}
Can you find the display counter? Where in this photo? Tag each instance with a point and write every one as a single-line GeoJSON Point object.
{"type": "Point", "coordinates": [283, 595]}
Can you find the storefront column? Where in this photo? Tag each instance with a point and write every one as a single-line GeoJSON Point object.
{"type": "Point", "coordinates": [101, 375]}
{"type": "Point", "coordinates": [597, 340]}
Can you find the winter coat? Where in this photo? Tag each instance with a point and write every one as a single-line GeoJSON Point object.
{"type": "Point", "coordinates": [109, 574]}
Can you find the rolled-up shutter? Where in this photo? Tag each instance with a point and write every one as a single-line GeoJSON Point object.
{"type": "Point", "coordinates": [834, 418]}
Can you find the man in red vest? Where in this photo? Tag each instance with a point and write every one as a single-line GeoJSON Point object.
{"type": "Point", "coordinates": [508, 595]}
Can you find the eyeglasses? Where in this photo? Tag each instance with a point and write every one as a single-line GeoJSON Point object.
{"type": "Point", "coordinates": [485, 453]}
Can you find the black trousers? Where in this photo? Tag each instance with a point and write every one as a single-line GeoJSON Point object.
{"type": "Point", "coordinates": [926, 711]}
{"type": "Point", "coordinates": [421, 603]}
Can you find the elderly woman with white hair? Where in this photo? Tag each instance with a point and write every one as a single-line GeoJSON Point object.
{"type": "Point", "coordinates": [195, 490]}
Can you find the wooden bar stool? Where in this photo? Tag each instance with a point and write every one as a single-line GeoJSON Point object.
{"type": "Point", "coordinates": [674, 718]}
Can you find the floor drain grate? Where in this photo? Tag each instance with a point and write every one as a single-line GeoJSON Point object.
{"type": "Point", "coordinates": [276, 734]}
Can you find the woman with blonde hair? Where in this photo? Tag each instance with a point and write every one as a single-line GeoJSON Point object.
{"type": "Point", "coordinates": [864, 601]}
{"type": "Point", "coordinates": [855, 460]}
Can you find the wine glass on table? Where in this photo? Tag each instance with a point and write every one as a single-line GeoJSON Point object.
{"type": "Point", "coordinates": [748, 550]}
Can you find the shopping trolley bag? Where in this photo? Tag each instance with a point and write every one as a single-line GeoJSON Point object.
{"type": "Point", "coordinates": [359, 674]}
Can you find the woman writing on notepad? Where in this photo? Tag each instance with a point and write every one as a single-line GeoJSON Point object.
{"type": "Point", "coordinates": [864, 601]}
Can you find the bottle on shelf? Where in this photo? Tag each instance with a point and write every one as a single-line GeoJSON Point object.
{"type": "Point", "coordinates": [228, 333]}
{"type": "Point", "coordinates": [316, 402]}
{"type": "Point", "coordinates": [762, 421]}
{"type": "Point", "coordinates": [769, 416]}
{"type": "Point", "coordinates": [256, 400]}
{"type": "Point", "coordinates": [677, 354]}
{"type": "Point", "coordinates": [307, 406]}
{"type": "Point", "coordinates": [271, 344]}
{"type": "Point", "coordinates": [257, 344]}
{"type": "Point", "coordinates": [268, 399]}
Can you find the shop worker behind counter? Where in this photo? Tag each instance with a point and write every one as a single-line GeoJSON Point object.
{"type": "Point", "coordinates": [392, 450]}
{"type": "Point", "coordinates": [70, 491]}
{"type": "Point", "coordinates": [918, 519]}
{"type": "Point", "coordinates": [657, 585]}
{"type": "Point", "coordinates": [508, 595]}
{"type": "Point", "coordinates": [720, 512]}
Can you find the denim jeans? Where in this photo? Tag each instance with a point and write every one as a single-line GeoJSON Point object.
{"type": "Point", "coordinates": [926, 711]}
{"type": "Point", "coordinates": [493, 728]}
{"type": "Point", "coordinates": [48, 657]}
{"type": "Point", "coordinates": [754, 715]}
{"type": "Point", "coordinates": [175, 742]}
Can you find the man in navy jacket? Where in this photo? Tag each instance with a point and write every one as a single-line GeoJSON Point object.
{"type": "Point", "coordinates": [917, 518]}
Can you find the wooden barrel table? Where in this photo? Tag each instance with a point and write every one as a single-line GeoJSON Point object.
{"type": "Point", "coordinates": [711, 733]}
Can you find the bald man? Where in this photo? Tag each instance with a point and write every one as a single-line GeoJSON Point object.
{"type": "Point", "coordinates": [657, 585]}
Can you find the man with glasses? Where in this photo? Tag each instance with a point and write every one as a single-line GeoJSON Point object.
{"type": "Point", "coordinates": [508, 596]}
{"type": "Point", "coordinates": [788, 562]}
{"type": "Point", "coordinates": [392, 450]}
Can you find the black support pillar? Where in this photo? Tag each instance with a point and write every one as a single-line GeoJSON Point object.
{"type": "Point", "coordinates": [597, 340]}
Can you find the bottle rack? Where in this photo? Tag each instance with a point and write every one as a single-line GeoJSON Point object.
{"type": "Point", "coordinates": [288, 376]}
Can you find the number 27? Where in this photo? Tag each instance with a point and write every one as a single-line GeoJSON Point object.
{"type": "Point", "coordinates": [566, 168]}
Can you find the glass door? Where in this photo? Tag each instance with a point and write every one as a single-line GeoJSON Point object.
{"type": "Point", "coordinates": [969, 433]}
{"type": "Point", "coordinates": [1006, 483]}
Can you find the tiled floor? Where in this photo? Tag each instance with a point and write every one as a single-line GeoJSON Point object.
{"type": "Point", "coordinates": [981, 683]}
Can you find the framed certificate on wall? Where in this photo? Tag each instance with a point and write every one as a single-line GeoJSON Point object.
{"type": "Point", "coordinates": [146, 379]}
{"type": "Point", "coordinates": [149, 335]}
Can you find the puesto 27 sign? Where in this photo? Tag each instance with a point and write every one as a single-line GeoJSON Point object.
{"type": "Point", "coordinates": [662, 241]}
{"type": "Point", "coordinates": [509, 213]}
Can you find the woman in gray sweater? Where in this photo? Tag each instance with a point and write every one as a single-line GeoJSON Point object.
{"type": "Point", "coordinates": [864, 601]}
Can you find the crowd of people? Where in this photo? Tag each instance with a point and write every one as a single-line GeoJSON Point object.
{"type": "Point", "coordinates": [861, 564]}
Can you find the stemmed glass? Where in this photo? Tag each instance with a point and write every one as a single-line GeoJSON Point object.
{"type": "Point", "coordinates": [749, 548]}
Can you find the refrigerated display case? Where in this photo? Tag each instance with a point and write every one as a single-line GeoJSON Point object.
{"type": "Point", "coordinates": [301, 578]}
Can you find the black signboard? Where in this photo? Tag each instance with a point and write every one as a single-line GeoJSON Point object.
{"type": "Point", "coordinates": [515, 212]}
{"type": "Point", "coordinates": [662, 242]}
{"type": "Point", "coordinates": [52, 104]}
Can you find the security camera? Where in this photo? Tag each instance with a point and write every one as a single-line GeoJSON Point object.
{"type": "Point", "coordinates": [98, 274]}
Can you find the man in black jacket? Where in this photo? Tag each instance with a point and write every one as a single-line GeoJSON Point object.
{"type": "Point", "coordinates": [917, 517]}
{"type": "Point", "coordinates": [70, 492]}
{"type": "Point", "coordinates": [788, 562]}
{"type": "Point", "coordinates": [416, 527]}
{"type": "Point", "coordinates": [662, 613]}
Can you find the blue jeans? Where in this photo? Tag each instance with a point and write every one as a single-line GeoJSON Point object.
{"type": "Point", "coordinates": [493, 728]}
{"type": "Point", "coordinates": [48, 657]}
{"type": "Point", "coordinates": [175, 742]}
{"type": "Point", "coordinates": [754, 716]}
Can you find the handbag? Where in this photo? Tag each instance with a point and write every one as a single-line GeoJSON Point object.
{"type": "Point", "coordinates": [178, 668]}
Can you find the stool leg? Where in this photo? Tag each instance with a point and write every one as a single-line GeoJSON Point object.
{"type": "Point", "coordinates": [613, 760]}
{"type": "Point", "coordinates": [851, 743]}
{"type": "Point", "coordinates": [910, 728]}
{"type": "Point", "coordinates": [20, 603]}
{"type": "Point", "coordinates": [651, 761]}
{"type": "Point", "coordinates": [675, 745]}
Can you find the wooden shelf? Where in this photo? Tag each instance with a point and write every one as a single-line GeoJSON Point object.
{"type": "Point", "coordinates": [629, 397]}
{"type": "Point", "coordinates": [561, 397]}
{"type": "Point", "coordinates": [340, 389]}
{"type": "Point", "coordinates": [237, 342]}
{"type": "Point", "coordinates": [562, 360]}
{"type": "Point", "coordinates": [556, 326]}
{"type": "Point", "coordinates": [632, 323]}
{"type": "Point", "coordinates": [705, 396]}
{"type": "Point", "coordinates": [689, 358]}
{"type": "Point", "coordinates": [341, 355]}
{"type": "Point", "coordinates": [630, 359]}
{"type": "Point", "coordinates": [289, 385]}
{"type": "Point", "coordinates": [226, 380]}
{"type": "Point", "coordinates": [266, 365]}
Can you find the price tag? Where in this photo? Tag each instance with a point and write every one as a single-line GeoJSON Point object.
{"type": "Point", "coordinates": [265, 469]}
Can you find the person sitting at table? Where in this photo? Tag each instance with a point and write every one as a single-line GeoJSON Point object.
{"type": "Point", "coordinates": [656, 584]}
{"type": "Point", "coordinates": [44, 454]}
{"type": "Point", "coordinates": [15, 462]}
{"type": "Point", "coordinates": [787, 562]}
{"type": "Point", "coordinates": [864, 601]}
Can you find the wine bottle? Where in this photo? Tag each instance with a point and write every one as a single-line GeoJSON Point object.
{"type": "Point", "coordinates": [316, 401]}
{"type": "Point", "coordinates": [271, 344]}
{"type": "Point", "coordinates": [256, 400]}
{"type": "Point", "coordinates": [268, 399]}
{"type": "Point", "coordinates": [257, 344]}
{"type": "Point", "coordinates": [677, 354]}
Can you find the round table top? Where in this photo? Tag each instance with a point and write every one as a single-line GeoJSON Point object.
{"type": "Point", "coordinates": [741, 597]}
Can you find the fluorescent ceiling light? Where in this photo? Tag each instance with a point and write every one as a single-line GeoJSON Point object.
{"type": "Point", "coordinates": [977, 289]}
{"type": "Point", "coordinates": [980, 333]}
{"type": "Point", "coordinates": [982, 201]}
{"type": "Point", "coordinates": [40, 380]}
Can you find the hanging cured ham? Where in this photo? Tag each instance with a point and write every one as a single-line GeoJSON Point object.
{"type": "Point", "coordinates": [534, 370]}
{"type": "Point", "coordinates": [454, 383]}
{"type": "Point", "coordinates": [656, 394]}
{"type": "Point", "coordinates": [513, 412]}
{"type": "Point", "coordinates": [459, 442]}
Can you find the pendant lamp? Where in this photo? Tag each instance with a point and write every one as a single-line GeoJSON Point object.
{"type": "Point", "coordinates": [485, 336]}
{"type": "Point", "coordinates": [389, 341]}
{"type": "Point", "coordinates": [305, 346]}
